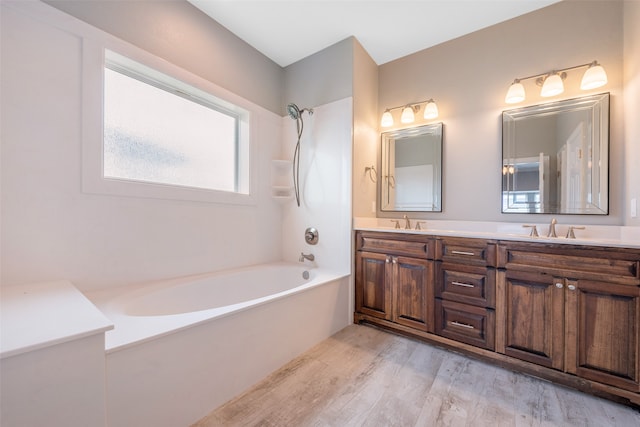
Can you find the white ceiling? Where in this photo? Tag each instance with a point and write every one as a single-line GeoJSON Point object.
{"type": "Point", "coordinates": [289, 30]}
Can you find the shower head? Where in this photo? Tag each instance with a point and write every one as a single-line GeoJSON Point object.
{"type": "Point", "coordinates": [295, 113]}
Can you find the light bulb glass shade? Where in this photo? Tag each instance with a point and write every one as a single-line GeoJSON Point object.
{"type": "Point", "coordinates": [430, 110]}
{"type": "Point", "coordinates": [515, 93]}
{"type": "Point", "coordinates": [552, 86]}
{"type": "Point", "coordinates": [407, 115]}
{"type": "Point", "coordinates": [387, 119]}
{"type": "Point", "coordinates": [594, 77]}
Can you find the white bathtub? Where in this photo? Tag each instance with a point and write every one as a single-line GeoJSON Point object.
{"type": "Point", "coordinates": [180, 348]}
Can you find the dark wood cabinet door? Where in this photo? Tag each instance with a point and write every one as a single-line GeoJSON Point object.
{"type": "Point", "coordinates": [602, 332]}
{"type": "Point", "coordinates": [373, 284]}
{"type": "Point", "coordinates": [534, 316]}
{"type": "Point", "coordinates": [413, 292]}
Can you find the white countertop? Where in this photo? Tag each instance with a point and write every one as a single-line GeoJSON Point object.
{"type": "Point", "coordinates": [39, 315]}
{"type": "Point", "coordinates": [592, 235]}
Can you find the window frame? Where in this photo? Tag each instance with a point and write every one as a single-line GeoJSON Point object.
{"type": "Point", "coordinates": [160, 73]}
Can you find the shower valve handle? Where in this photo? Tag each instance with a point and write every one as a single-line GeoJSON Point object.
{"type": "Point", "coordinates": [311, 236]}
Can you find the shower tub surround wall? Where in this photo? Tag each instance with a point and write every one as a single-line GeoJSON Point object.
{"type": "Point", "coordinates": [172, 357]}
{"type": "Point", "coordinates": [325, 185]}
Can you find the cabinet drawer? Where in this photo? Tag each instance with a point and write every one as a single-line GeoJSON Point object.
{"type": "Point", "coordinates": [608, 264]}
{"type": "Point", "coordinates": [469, 285]}
{"type": "Point", "coordinates": [466, 323]}
{"type": "Point", "coordinates": [466, 251]}
{"type": "Point", "coordinates": [418, 246]}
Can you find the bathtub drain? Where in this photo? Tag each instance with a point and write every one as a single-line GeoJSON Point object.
{"type": "Point", "coordinates": [305, 275]}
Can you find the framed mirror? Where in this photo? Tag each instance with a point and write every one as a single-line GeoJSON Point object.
{"type": "Point", "coordinates": [411, 170]}
{"type": "Point", "coordinates": [555, 157]}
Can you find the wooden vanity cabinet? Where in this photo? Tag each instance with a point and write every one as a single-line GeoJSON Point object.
{"type": "Point", "coordinates": [394, 278]}
{"type": "Point", "coordinates": [566, 313]}
{"type": "Point", "coordinates": [465, 290]}
{"type": "Point", "coordinates": [574, 309]}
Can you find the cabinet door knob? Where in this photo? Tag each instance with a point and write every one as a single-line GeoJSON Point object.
{"type": "Point", "coordinates": [387, 260]}
{"type": "Point", "coordinates": [559, 285]}
{"type": "Point", "coordinates": [394, 260]}
{"type": "Point", "coordinates": [572, 287]}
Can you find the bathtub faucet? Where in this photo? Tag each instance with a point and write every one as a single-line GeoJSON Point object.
{"type": "Point", "coordinates": [303, 256]}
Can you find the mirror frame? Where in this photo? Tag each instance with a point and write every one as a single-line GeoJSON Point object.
{"type": "Point", "coordinates": [438, 176]}
{"type": "Point", "coordinates": [598, 104]}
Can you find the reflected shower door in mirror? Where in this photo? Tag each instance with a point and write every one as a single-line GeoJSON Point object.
{"type": "Point", "coordinates": [556, 157]}
{"type": "Point", "coordinates": [411, 170]}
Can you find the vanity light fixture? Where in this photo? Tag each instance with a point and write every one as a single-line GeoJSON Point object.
{"type": "Point", "coordinates": [408, 115]}
{"type": "Point", "coordinates": [552, 85]}
{"type": "Point", "coordinates": [430, 110]}
{"type": "Point", "coordinates": [515, 93]}
{"type": "Point", "coordinates": [552, 82]}
{"type": "Point", "coordinates": [409, 111]}
{"type": "Point", "coordinates": [387, 119]}
{"type": "Point", "coordinates": [594, 77]}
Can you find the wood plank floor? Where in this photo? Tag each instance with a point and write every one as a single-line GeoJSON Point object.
{"type": "Point", "coordinates": [363, 376]}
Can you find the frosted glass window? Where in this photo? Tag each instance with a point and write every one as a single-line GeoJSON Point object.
{"type": "Point", "coordinates": [162, 136]}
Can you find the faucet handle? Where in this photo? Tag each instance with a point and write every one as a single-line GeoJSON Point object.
{"type": "Point", "coordinates": [571, 234]}
{"type": "Point", "coordinates": [534, 229]}
{"type": "Point", "coordinates": [397, 221]}
{"type": "Point", "coordinates": [552, 228]}
{"type": "Point", "coordinates": [418, 224]}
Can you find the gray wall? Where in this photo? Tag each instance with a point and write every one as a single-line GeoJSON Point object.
{"type": "Point", "coordinates": [321, 78]}
{"type": "Point", "coordinates": [469, 77]}
{"type": "Point", "coordinates": [183, 35]}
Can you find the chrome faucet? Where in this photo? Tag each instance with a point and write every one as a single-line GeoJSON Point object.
{"type": "Point", "coordinates": [552, 228]}
{"type": "Point", "coordinates": [303, 256]}
{"type": "Point", "coordinates": [407, 222]}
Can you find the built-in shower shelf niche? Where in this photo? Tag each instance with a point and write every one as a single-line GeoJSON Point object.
{"type": "Point", "coordinates": [282, 179]}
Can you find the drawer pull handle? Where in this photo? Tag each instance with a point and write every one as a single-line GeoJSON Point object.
{"type": "Point", "coordinates": [464, 285]}
{"type": "Point", "coordinates": [462, 253]}
{"type": "Point", "coordinates": [462, 325]}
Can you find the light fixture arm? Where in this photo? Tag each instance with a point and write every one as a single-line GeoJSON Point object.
{"type": "Point", "coordinates": [414, 105]}
{"type": "Point", "coordinates": [559, 71]}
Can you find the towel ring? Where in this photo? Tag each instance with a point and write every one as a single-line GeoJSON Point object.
{"type": "Point", "coordinates": [373, 174]}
